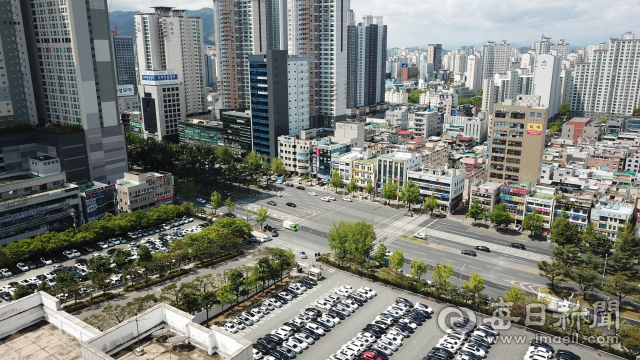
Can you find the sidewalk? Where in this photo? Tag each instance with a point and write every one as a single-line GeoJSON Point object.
{"type": "Point", "coordinates": [507, 234]}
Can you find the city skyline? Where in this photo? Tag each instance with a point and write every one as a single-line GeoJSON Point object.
{"type": "Point", "coordinates": [516, 22]}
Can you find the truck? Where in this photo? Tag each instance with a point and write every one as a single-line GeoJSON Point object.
{"type": "Point", "coordinates": [564, 307]}
{"type": "Point", "coordinates": [315, 273]}
{"type": "Point", "coordinates": [290, 225]}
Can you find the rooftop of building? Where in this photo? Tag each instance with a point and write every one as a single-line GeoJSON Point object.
{"type": "Point", "coordinates": [488, 184]}
{"type": "Point", "coordinates": [622, 208]}
{"type": "Point", "coordinates": [17, 178]}
{"type": "Point", "coordinates": [397, 155]}
{"type": "Point", "coordinates": [542, 195]}
{"type": "Point", "coordinates": [156, 350]}
{"type": "Point", "coordinates": [43, 157]}
{"type": "Point", "coordinates": [40, 341]}
{"type": "Point", "coordinates": [577, 120]}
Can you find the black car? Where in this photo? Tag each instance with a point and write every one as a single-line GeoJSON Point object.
{"type": "Point", "coordinates": [376, 327]}
{"type": "Point", "coordinates": [417, 315]}
{"type": "Point", "coordinates": [41, 277]}
{"type": "Point", "coordinates": [230, 215]}
{"type": "Point", "coordinates": [440, 353]}
{"type": "Point", "coordinates": [292, 354]}
{"type": "Point", "coordinates": [307, 283]}
{"type": "Point", "coordinates": [324, 327]}
{"type": "Point", "coordinates": [6, 296]}
{"type": "Point", "coordinates": [518, 246]}
{"type": "Point", "coordinates": [313, 334]}
{"type": "Point", "coordinates": [263, 349]}
{"type": "Point", "coordinates": [541, 344]}
{"type": "Point", "coordinates": [55, 259]}
{"type": "Point", "coordinates": [32, 287]}
{"type": "Point", "coordinates": [111, 251]}
{"type": "Point", "coordinates": [483, 248]}
{"type": "Point", "coordinates": [267, 342]}
{"type": "Point", "coordinates": [275, 339]}
{"type": "Point", "coordinates": [413, 319]}
{"type": "Point", "coordinates": [300, 187]}
{"type": "Point", "coordinates": [374, 331]}
{"type": "Point", "coordinates": [293, 326]}
{"type": "Point", "coordinates": [566, 354]}
{"type": "Point", "coordinates": [479, 340]}
{"type": "Point", "coordinates": [268, 227]}
{"type": "Point", "coordinates": [272, 203]}
{"type": "Point", "coordinates": [337, 314]}
{"type": "Point", "coordinates": [314, 310]}
{"type": "Point", "coordinates": [81, 261]}
{"type": "Point", "coordinates": [310, 280]}
{"type": "Point", "coordinates": [470, 354]}
{"type": "Point", "coordinates": [356, 300]}
{"type": "Point", "coordinates": [404, 301]}
{"type": "Point", "coordinates": [468, 252]}
{"type": "Point", "coordinates": [290, 204]}
{"type": "Point", "coordinates": [381, 323]}
{"type": "Point", "coordinates": [405, 327]}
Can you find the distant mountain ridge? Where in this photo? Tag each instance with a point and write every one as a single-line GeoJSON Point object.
{"type": "Point", "coordinates": [125, 23]}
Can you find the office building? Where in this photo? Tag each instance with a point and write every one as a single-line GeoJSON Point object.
{"type": "Point", "coordinates": [240, 31]}
{"type": "Point", "coordinates": [445, 184]}
{"type": "Point", "coordinates": [98, 200]}
{"type": "Point", "coordinates": [609, 216]}
{"type": "Point", "coordinates": [162, 104]}
{"type": "Point", "coordinates": [371, 60]}
{"type": "Point", "coordinates": [201, 132]}
{"type": "Point", "coordinates": [395, 167]}
{"type": "Point", "coordinates": [237, 131]}
{"type": "Point", "coordinates": [435, 56]}
{"type": "Point", "coordinates": [495, 59]}
{"type": "Point", "coordinates": [547, 83]}
{"type": "Point", "coordinates": [574, 129]}
{"type": "Point", "coordinates": [37, 200]}
{"type": "Point", "coordinates": [296, 151]}
{"type": "Point", "coordinates": [608, 85]}
{"type": "Point", "coordinates": [17, 100]}
{"type": "Point", "coordinates": [143, 191]}
{"type": "Point", "coordinates": [167, 40]}
{"type": "Point", "coordinates": [86, 94]}
{"type": "Point", "coordinates": [327, 148]}
{"type": "Point", "coordinates": [125, 59]}
{"type": "Point", "coordinates": [273, 111]}
{"type": "Point", "coordinates": [517, 142]}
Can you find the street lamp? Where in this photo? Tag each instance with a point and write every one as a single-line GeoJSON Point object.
{"type": "Point", "coordinates": [606, 256]}
{"type": "Point", "coordinates": [460, 279]}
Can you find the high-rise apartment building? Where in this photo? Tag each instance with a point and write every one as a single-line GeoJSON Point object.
{"type": "Point", "coordinates": [240, 31]}
{"type": "Point", "coordinates": [495, 58]}
{"type": "Point", "coordinates": [435, 56]}
{"type": "Point", "coordinates": [371, 60]}
{"type": "Point", "coordinates": [544, 46]}
{"type": "Point", "coordinates": [547, 83]}
{"type": "Point", "coordinates": [167, 40]}
{"type": "Point", "coordinates": [125, 59]}
{"type": "Point", "coordinates": [352, 61]}
{"type": "Point", "coordinates": [71, 67]}
{"type": "Point", "coordinates": [276, 24]}
{"type": "Point", "coordinates": [17, 101]}
{"type": "Point", "coordinates": [474, 72]}
{"type": "Point", "coordinates": [608, 85]}
{"type": "Point", "coordinates": [517, 142]}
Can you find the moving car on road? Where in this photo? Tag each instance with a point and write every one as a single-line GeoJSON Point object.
{"type": "Point", "coordinates": [518, 246]}
{"type": "Point", "coordinates": [347, 199]}
{"type": "Point", "coordinates": [272, 203]}
{"type": "Point", "coordinates": [469, 252]}
{"type": "Point", "coordinates": [290, 204]}
{"type": "Point", "coordinates": [483, 248]}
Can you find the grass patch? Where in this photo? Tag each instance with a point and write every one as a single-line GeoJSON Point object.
{"type": "Point", "coordinates": [412, 239]}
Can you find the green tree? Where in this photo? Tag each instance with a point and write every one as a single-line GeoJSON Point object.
{"type": "Point", "coordinates": [262, 215]}
{"type": "Point", "coordinates": [533, 222]}
{"type": "Point", "coordinates": [116, 311]}
{"type": "Point", "coordinates": [226, 295]}
{"type": "Point", "coordinates": [189, 190]}
{"type": "Point", "coordinates": [236, 280]}
{"type": "Point", "coordinates": [515, 295]}
{"type": "Point", "coordinates": [566, 234]}
{"type": "Point", "coordinates": [99, 321]}
{"type": "Point", "coordinates": [474, 286]}
{"type": "Point", "coordinates": [121, 258]}
{"type": "Point", "coordinates": [230, 205]}
{"type": "Point", "coordinates": [390, 190]}
{"type": "Point", "coordinates": [414, 96]}
{"type": "Point", "coordinates": [224, 155]}
{"type": "Point", "coordinates": [306, 177]}
{"type": "Point", "coordinates": [237, 227]}
{"type": "Point", "coordinates": [68, 284]}
{"type": "Point", "coordinates": [360, 240]}
{"type": "Point", "coordinates": [277, 166]}
{"type": "Point", "coordinates": [380, 254]}
{"type": "Point", "coordinates": [336, 180]}
{"type": "Point", "coordinates": [619, 287]}
{"type": "Point", "coordinates": [441, 274]}
{"type": "Point", "coordinates": [418, 268]}
{"type": "Point", "coordinates": [410, 193]}
{"type": "Point", "coordinates": [598, 244]}
{"type": "Point", "coordinates": [475, 212]}
{"type": "Point", "coordinates": [636, 111]}
{"type": "Point", "coordinates": [253, 166]}
{"type": "Point", "coordinates": [144, 255]}
{"type": "Point", "coordinates": [263, 266]}
{"type": "Point", "coordinates": [208, 300]}
{"type": "Point", "coordinates": [552, 271]}
{"type": "Point", "coordinates": [396, 260]}
{"type": "Point", "coordinates": [564, 109]}
{"type": "Point", "coordinates": [431, 204]}
{"type": "Point", "coordinates": [500, 216]}
{"type": "Point", "coordinates": [21, 291]}
{"type": "Point", "coordinates": [216, 202]}
{"type": "Point", "coordinates": [586, 278]}
{"type": "Point", "coordinates": [339, 238]}
{"type": "Point", "coordinates": [630, 336]}
{"type": "Point", "coordinates": [369, 189]}
{"type": "Point", "coordinates": [189, 301]}
{"type": "Point", "coordinates": [352, 187]}
{"type": "Point", "coordinates": [602, 121]}
{"type": "Point", "coordinates": [569, 256]}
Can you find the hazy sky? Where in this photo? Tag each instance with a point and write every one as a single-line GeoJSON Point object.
{"type": "Point", "coordinates": [462, 22]}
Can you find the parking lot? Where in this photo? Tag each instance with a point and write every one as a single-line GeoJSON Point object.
{"type": "Point", "coordinates": [511, 344]}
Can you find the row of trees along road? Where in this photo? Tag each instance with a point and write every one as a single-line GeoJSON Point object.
{"type": "Point", "coordinates": [205, 292]}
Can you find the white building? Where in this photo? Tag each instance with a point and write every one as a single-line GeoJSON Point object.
{"type": "Point", "coordinates": [163, 105]}
{"type": "Point", "coordinates": [545, 46]}
{"type": "Point", "coordinates": [495, 58]}
{"type": "Point", "coordinates": [541, 198]}
{"type": "Point", "coordinates": [168, 40]}
{"type": "Point", "coordinates": [426, 123]}
{"type": "Point", "coordinates": [486, 192]}
{"type": "Point", "coordinates": [566, 85]}
{"type": "Point", "coordinates": [298, 83]}
{"type": "Point", "coordinates": [474, 72]}
{"type": "Point", "coordinates": [547, 83]}
{"type": "Point", "coordinates": [396, 96]}
{"type": "Point", "coordinates": [608, 86]}
{"type": "Point", "coordinates": [609, 216]}
{"type": "Point", "coordinates": [396, 166]}
{"type": "Point", "coordinates": [398, 117]}
{"type": "Point", "coordinates": [447, 185]}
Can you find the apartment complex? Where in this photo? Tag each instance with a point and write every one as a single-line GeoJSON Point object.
{"type": "Point", "coordinates": [371, 45]}
{"type": "Point", "coordinates": [495, 59]}
{"type": "Point", "coordinates": [547, 83]}
{"type": "Point", "coordinates": [517, 143]}
{"type": "Point", "coordinates": [142, 191]}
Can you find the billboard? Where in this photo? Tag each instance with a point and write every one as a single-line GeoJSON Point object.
{"type": "Point", "coordinates": [125, 90]}
{"type": "Point", "coordinates": [534, 129]}
{"type": "Point", "coordinates": [159, 77]}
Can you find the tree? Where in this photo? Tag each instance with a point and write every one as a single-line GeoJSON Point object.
{"type": "Point", "coordinates": [515, 295]}
{"type": "Point", "coordinates": [396, 260]}
{"type": "Point", "coordinates": [474, 286]}
{"type": "Point", "coordinates": [225, 295]}
{"type": "Point", "coordinates": [237, 227]}
{"type": "Point", "coordinates": [602, 121]}
{"type": "Point", "coordinates": [252, 165]}
{"type": "Point", "coordinates": [189, 301]}
{"type": "Point", "coordinates": [116, 311]}
{"type": "Point", "coordinates": [552, 271]}
{"type": "Point", "coordinates": [121, 258]}
{"type": "Point", "coordinates": [599, 244]}
{"type": "Point", "coordinates": [189, 190]}
{"type": "Point", "coordinates": [410, 193]}
{"type": "Point", "coordinates": [262, 215]}
{"type": "Point", "coordinates": [619, 287]}
{"type": "Point", "coordinates": [380, 254]}
{"type": "Point", "coordinates": [306, 177]}
{"type": "Point", "coordinates": [630, 336]}
{"type": "Point", "coordinates": [475, 212]}
{"type": "Point", "coordinates": [390, 190]}
{"type": "Point", "coordinates": [418, 268]}
{"type": "Point", "coordinates": [208, 300]}
{"type": "Point", "coordinates": [586, 278]}
{"type": "Point", "coordinates": [569, 256]}
{"type": "Point", "coordinates": [564, 109]}
{"type": "Point", "coordinates": [566, 234]}
{"type": "Point", "coordinates": [67, 283]}
{"type": "Point", "coordinates": [339, 238]}
{"type": "Point", "coordinates": [20, 291]}
{"type": "Point", "coordinates": [441, 274]}
{"type": "Point", "coordinates": [264, 265]}
{"type": "Point", "coordinates": [500, 216]}
{"type": "Point", "coordinates": [431, 204]}
{"type": "Point", "coordinates": [533, 222]}
{"type": "Point", "coordinates": [352, 187]}
{"type": "Point", "coordinates": [236, 280]}
{"type": "Point", "coordinates": [144, 255]}
{"type": "Point", "coordinates": [224, 155]}
{"type": "Point", "coordinates": [99, 321]}
{"type": "Point", "coordinates": [216, 202]}
{"type": "Point", "coordinates": [626, 242]}
{"type": "Point", "coordinates": [336, 180]}
{"type": "Point", "coordinates": [414, 96]}
{"type": "Point", "coordinates": [360, 240]}
{"type": "Point", "coordinates": [230, 205]}
{"type": "Point", "coordinates": [277, 166]}
{"type": "Point", "coordinates": [369, 189]}
{"type": "Point", "coordinates": [282, 259]}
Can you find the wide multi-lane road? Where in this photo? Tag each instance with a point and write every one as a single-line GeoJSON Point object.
{"type": "Point", "coordinates": [502, 268]}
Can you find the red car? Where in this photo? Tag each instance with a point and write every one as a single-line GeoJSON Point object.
{"type": "Point", "coordinates": [368, 355]}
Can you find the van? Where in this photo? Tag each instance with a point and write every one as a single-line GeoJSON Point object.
{"type": "Point", "coordinates": [290, 225]}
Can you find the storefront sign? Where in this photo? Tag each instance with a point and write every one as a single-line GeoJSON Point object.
{"type": "Point", "coordinates": [534, 129]}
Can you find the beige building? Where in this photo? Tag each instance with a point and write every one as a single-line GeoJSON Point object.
{"type": "Point", "coordinates": [487, 194]}
{"type": "Point", "coordinates": [141, 191]}
{"type": "Point", "coordinates": [364, 172]}
{"type": "Point", "coordinates": [517, 142]}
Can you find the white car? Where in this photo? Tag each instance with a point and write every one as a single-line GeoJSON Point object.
{"type": "Point", "coordinates": [257, 355]}
{"type": "Point", "coordinates": [201, 200]}
{"type": "Point", "coordinates": [315, 328]}
{"type": "Point", "coordinates": [348, 306]}
{"type": "Point", "coordinates": [539, 351]}
{"type": "Point", "coordinates": [306, 338]}
{"type": "Point", "coordinates": [23, 266]}
{"type": "Point", "coordinates": [294, 340]}
{"type": "Point", "coordinates": [286, 295]}
{"type": "Point", "coordinates": [362, 346]}
{"type": "Point", "coordinates": [424, 307]}
{"type": "Point", "coordinates": [474, 349]}
{"type": "Point", "coordinates": [325, 321]}
{"type": "Point", "coordinates": [102, 245]}
{"type": "Point", "coordinates": [367, 335]}
{"type": "Point", "coordinates": [257, 311]}
{"type": "Point", "coordinates": [325, 199]}
{"type": "Point", "coordinates": [283, 334]}
{"type": "Point", "coordinates": [348, 348]}
{"type": "Point", "coordinates": [347, 199]}
{"type": "Point", "coordinates": [384, 348]}
{"type": "Point", "coordinates": [238, 323]}
{"type": "Point", "coordinates": [342, 292]}
{"type": "Point", "coordinates": [396, 333]}
{"type": "Point", "coordinates": [489, 338]}
{"type": "Point", "coordinates": [335, 319]}
{"type": "Point", "coordinates": [232, 328]}
{"type": "Point", "coordinates": [364, 293]}
{"type": "Point", "coordinates": [46, 261]}
{"type": "Point", "coordinates": [253, 317]}
{"type": "Point", "coordinates": [299, 286]}
{"type": "Point", "coordinates": [331, 198]}
{"type": "Point", "coordinates": [6, 272]}
{"type": "Point", "coordinates": [536, 357]}
{"type": "Point", "coordinates": [312, 193]}
{"type": "Point", "coordinates": [369, 290]}
{"type": "Point", "coordinates": [323, 304]}
{"type": "Point", "coordinates": [294, 347]}
{"type": "Point", "coordinates": [352, 303]}
{"type": "Point", "coordinates": [351, 353]}
{"type": "Point", "coordinates": [450, 342]}
{"type": "Point", "coordinates": [408, 322]}
{"type": "Point", "coordinates": [393, 339]}
{"type": "Point", "coordinates": [420, 235]}
{"type": "Point", "coordinates": [274, 302]}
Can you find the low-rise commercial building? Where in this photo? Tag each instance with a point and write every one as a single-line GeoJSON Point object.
{"type": "Point", "coordinates": [364, 172]}
{"type": "Point", "coordinates": [514, 197]}
{"type": "Point", "coordinates": [201, 132]}
{"type": "Point", "coordinates": [395, 167]}
{"type": "Point", "coordinates": [487, 194]}
{"type": "Point", "coordinates": [576, 204]}
{"type": "Point", "coordinates": [427, 123]}
{"type": "Point", "coordinates": [38, 200]}
{"type": "Point", "coordinates": [296, 151]}
{"type": "Point", "coordinates": [541, 198]}
{"type": "Point", "coordinates": [98, 200]}
{"type": "Point", "coordinates": [609, 216]}
{"type": "Point", "coordinates": [142, 191]}
{"type": "Point", "coordinates": [447, 185]}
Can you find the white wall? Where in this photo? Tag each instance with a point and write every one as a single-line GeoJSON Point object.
{"type": "Point", "coordinates": [65, 322]}
{"type": "Point", "coordinates": [19, 314]}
